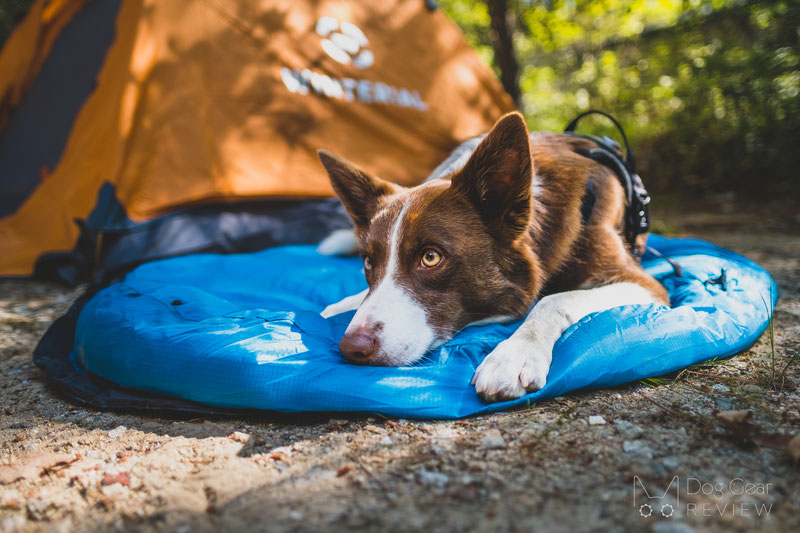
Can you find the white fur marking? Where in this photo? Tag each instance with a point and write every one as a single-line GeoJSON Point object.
{"type": "Point", "coordinates": [406, 334]}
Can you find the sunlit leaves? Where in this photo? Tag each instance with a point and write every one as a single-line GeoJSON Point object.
{"type": "Point", "coordinates": [709, 89]}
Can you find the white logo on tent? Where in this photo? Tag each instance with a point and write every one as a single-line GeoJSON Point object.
{"type": "Point", "coordinates": [344, 42]}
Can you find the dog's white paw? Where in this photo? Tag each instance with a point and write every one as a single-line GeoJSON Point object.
{"type": "Point", "coordinates": [339, 242]}
{"type": "Point", "coordinates": [514, 368]}
{"type": "Point", "coordinates": [335, 309]}
{"type": "Point", "coordinates": [350, 303]}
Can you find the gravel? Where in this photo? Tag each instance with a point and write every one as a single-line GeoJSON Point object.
{"type": "Point", "coordinates": [542, 468]}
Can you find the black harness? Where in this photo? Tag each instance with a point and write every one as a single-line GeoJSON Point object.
{"type": "Point", "coordinates": [608, 153]}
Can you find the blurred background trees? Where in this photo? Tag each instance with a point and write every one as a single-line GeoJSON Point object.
{"type": "Point", "coordinates": [708, 90]}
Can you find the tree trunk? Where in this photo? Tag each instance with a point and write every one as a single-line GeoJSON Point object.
{"type": "Point", "coordinates": [503, 45]}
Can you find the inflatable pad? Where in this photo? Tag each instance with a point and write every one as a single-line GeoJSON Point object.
{"type": "Point", "coordinates": [243, 331]}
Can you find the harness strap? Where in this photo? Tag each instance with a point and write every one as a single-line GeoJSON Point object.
{"type": "Point", "coordinates": [608, 153]}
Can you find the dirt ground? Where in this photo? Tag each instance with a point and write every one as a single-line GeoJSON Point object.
{"type": "Point", "coordinates": [543, 468]}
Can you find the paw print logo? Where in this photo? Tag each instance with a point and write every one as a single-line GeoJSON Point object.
{"type": "Point", "coordinates": [667, 510]}
{"type": "Point", "coordinates": [344, 42]}
{"type": "Point", "coordinates": [645, 510]}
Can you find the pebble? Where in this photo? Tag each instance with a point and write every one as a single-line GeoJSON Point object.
{"type": "Point", "coordinates": [115, 491]}
{"type": "Point", "coordinates": [493, 440]}
{"type": "Point", "coordinates": [295, 515]}
{"type": "Point", "coordinates": [117, 432]}
{"type": "Point", "coordinates": [719, 387]}
{"type": "Point", "coordinates": [239, 436]}
{"type": "Point", "coordinates": [385, 441]}
{"type": "Point", "coordinates": [10, 498]}
{"type": "Point", "coordinates": [637, 448]}
{"type": "Point", "coordinates": [751, 389]}
{"type": "Point", "coordinates": [13, 523]}
{"type": "Point", "coordinates": [432, 479]}
{"type": "Point", "coordinates": [336, 423]}
{"type": "Point", "coordinates": [597, 420]}
{"type": "Point", "coordinates": [723, 403]}
{"type": "Point", "coordinates": [629, 429]}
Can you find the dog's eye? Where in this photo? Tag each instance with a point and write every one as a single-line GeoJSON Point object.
{"type": "Point", "coordinates": [367, 264]}
{"type": "Point", "coordinates": [431, 258]}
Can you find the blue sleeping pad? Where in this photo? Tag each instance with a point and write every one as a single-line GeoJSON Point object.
{"type": "Point", "coordinates": [244, 331]}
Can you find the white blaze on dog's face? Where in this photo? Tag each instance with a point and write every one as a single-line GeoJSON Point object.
{"type": "Point", "coordinates": [440, 256]}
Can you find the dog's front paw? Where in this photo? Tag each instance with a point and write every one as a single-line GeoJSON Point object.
{"type": "Point", "coordinates": [512, 369]}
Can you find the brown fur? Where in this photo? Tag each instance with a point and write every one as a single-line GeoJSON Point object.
{"type": "Point", "coordinates": [502, 246]}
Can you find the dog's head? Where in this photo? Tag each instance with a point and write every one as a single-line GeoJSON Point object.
{"type": "Point", "coordinates": [445, 254]}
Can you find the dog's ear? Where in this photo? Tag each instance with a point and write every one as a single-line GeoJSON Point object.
{"type": "Point", "coordinates": [358, 191]}
{"type": "Point", "coordinates": [497, 177]}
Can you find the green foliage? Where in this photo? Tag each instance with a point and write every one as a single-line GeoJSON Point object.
{"type": "Point", "coordinates": [707, 89]}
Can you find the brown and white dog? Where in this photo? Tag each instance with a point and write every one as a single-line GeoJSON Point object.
{"type": "Point", "coordinates": [496, 227]}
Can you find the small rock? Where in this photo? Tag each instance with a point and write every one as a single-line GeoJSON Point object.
{"type": "Point", "coordinates": [117, 432]}
{"type": "Point", "coordinates": [385, 441]}
{"type": "Point", "coordinates": [723, 403]}
{"type": "Point", "coordinates": [123, 478]}
{"type": "Point", "coordinates": [466, 479]}
{"type": "Point", "coordinates": [751, 389]}
{"type": "Point", "coordinates": [637, 448]}
{"type": "Point", "coordinates": [719, 387]}
{"type": "Point", "coordinates": [493, 440]}
{"type": "Point", "coordinates": [238, 436]}
{"type": "Point", "coordinates": [628, 429]}
{"type": "Point", "coordinates": [335, 423]}
{"type": "Point", "coordinates": [295, 515]}
{"type": "Point", "coordinates": [597, 420]}
{"type": "Point", "coordinates": [10, 498]}
{"type": "Point", "coordinates": [13, 524]}
{"type": "Point", "coordinates": [432, 479]}
{"type": "Point", "coordinates": [115, 491]}
{"type": "Point", "coordinates": [442, 446]}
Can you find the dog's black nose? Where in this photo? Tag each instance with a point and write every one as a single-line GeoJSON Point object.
{"type": "Point", "coordinates": [359, 346]}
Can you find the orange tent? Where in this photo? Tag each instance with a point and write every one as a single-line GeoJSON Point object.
{"type": "Point", "coordinates": [200, 102]}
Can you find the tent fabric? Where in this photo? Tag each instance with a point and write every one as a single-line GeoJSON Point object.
{"type": "Point", "coordinates": [63, 84]}
{"type": "Point", "coordinates": [243, 331]}
{"type": "Point", "coordinates": [203, 103]}
{"type": "Point", "coordinates": [27, 48]}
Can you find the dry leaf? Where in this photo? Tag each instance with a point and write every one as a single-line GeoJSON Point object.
{"type": "Point", "coordinates": [741, 423]}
